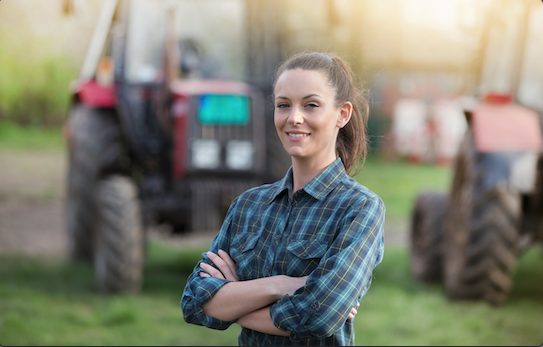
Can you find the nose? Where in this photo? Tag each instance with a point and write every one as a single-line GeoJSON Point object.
{"type": "Point", "coordinates": [295, 116]}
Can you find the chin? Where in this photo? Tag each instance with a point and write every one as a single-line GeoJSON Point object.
{"type": "Point", "coordinates": [294, 152]}
{"type": "Point", "coordinates": [297, 154]}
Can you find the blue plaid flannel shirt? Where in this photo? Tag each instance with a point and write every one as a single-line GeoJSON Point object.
{"type": "Point", "coordinates": [331, 230]}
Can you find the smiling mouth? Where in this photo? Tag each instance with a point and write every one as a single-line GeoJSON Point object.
{"type": "Point", "coordinates": [297, 135]}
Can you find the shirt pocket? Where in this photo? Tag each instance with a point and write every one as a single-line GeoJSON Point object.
{"type": "Point", "coordinates": [305, 256]}
{"type": "Point", "coordinates": [245, 255]}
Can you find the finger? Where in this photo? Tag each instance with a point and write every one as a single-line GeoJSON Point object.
{"type": "Point", "coordinates": [231, 264]}
{"type": "Point", "coordinates": [222, 265]}
{"type": "Point", "coordinates": [211, 271]}
{"type": "Point", "coordinates": [352, 313]}
{"type": "Point", "coordinates": [226, 257]}
{"type": "Point", "coordinates": [203, 274]}
{"type": "Point", "coordinates": [357, 305]}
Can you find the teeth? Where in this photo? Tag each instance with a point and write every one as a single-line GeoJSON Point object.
{"type": "Point", "coordinates": [297, 135]}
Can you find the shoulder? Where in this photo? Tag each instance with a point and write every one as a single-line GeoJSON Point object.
{"type": "Point", "coordinates": [256, 196]}
{"type": "Point", "coordinates": [263, 192]}
{"type": "Point", "coordinates": [352, 188]}
{"type": "Point", "coordinates": [356, 196]}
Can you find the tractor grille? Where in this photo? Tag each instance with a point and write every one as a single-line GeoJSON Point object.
{"type": "Point", "coordinates": [253, 131]}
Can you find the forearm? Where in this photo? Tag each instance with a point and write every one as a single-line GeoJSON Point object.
{"type": "Point", "coordinates": [260, 320]}
{"type": "Point", "coordinates": [236, 299]}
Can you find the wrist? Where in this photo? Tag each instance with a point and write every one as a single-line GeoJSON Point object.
{"type": "Point", "coordinates": [272, 287]}
{"type": "Point", "coordinates": [277, 286]}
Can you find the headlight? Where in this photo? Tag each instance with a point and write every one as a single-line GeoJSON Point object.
{"type": "Point", "coordinates": [206, 154]}
{"type": "Point", "coordinates": [239, 155]}
{"type": "Point", "coordinates": [523, 172]}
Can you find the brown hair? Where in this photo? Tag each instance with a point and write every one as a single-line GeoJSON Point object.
{"type": "Point", "coordinates": [351, 143]}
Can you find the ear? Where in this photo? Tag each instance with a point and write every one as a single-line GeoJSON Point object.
{"type": "Point", "coordinates": [345, 113]}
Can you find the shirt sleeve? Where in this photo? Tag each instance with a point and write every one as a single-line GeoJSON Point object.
{"type": "Point", "coordinates": [199, 289]}
{"type": "Point", "coordinates": [342, 277]}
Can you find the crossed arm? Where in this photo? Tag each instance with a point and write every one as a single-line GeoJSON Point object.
{"type": "Point", "coordinates": [248, 301]}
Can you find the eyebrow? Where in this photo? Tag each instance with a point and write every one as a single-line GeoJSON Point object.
{"type": "Point", "coordinates": [305, 97]}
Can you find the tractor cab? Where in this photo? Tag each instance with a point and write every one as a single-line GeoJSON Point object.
{"type": "Point", "coordinates": [163, 129]}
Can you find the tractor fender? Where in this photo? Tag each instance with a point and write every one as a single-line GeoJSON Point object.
{"type": "Point", "coordinates": [505, 127]}
{"type": "Point", "coordinates": [93, 94]}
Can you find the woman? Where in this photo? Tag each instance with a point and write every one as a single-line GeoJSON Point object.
{"type": "Point", "coordinates": [293, 258]}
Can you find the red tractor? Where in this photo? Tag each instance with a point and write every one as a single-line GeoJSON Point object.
{"type": "Point", "coordinates": [472, 237]}
{"type": "Point", "coordinates": [162, 129]}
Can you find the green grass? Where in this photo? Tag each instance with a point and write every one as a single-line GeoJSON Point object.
{"type": "Point", "coordinates": [54, 303]}
{"type": "Point", "coordinates": [398, 182]}
{"type": "Point", "coordinates": [402, 311]}
{"type": "Point", "coordinates": [17, 137]}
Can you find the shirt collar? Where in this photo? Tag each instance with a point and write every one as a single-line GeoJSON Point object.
{"type": "Point", "coordinates": [284, 184]}
{"type": "Point", "coordinates": [318, 187]}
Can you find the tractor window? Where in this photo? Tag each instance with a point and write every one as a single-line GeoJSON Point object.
{"type": "Point", "coordinates": [501, 48]}
{"type": "Point", "coordinates": [211, 38]}
{"type": "Point", "coordinates": [530, 91]}
{"type": "Point", "coordinates": [146, 36]}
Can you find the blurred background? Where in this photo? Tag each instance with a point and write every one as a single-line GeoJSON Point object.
{"type": "Point", "coordinates": [110, 107]}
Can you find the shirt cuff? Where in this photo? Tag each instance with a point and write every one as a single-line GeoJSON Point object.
{"type": "Point", "coordinates": [195, 298]}
{"type": "Point", "coordinates": [286, 317]}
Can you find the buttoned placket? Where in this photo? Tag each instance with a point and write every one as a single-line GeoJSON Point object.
{"type": "Point", "coordinates": [279, 232]}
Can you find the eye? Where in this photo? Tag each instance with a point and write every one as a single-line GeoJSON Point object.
{"type": "Point", "coordinates": [282, 105]}
{"type": "Point", "coordinates": [312, 105]}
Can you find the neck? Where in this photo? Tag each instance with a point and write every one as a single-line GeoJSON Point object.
{"type": "Point", "coordinates": [305, 169]}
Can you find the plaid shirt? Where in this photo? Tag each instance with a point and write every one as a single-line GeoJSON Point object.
{"type": "Point", "coordinates": [331, 230]}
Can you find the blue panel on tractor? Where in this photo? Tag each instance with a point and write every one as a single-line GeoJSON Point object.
{"type": "Point", "coordinates": [217, 109]}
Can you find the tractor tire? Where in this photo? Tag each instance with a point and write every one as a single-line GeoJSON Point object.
{"type": "Point", "coordinates": [426, 236]}
{"type": "Point", "coordinates": [120, 241]}
{"type": "Point", "coordinates": [94, 145]}
{"type": "Point", "coordinates": [481, 234]}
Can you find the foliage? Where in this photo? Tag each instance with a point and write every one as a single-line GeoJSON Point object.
{"type": "Point", "coordinates": [34, 88]}
{"type": "Point", "coordinates": [55, 303]}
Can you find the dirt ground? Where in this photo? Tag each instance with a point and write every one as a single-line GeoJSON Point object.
{"type": "Point", "coordinates": [32, 185]}
{"type": "Point", "coordinates": [31, 204]}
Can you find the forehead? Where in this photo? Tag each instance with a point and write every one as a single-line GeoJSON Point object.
{"type": "Point", "coordinates": [303, 82]}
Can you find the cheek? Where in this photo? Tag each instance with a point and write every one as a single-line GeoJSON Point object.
{"type": "Point", "coordinates": [278, 121]}
{"type": "Point", "coordinates": [327, 128]}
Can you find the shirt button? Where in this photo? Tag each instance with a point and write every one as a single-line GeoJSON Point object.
{"type": "Point", "coordinates": [277, 237]}
{"type": "Point", "coordinates": [314, 305]}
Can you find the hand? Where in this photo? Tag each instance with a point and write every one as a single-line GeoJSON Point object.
{"type": "Point", "coordinates": [354, 311]}
{"type": "Point", "coordinates": [227, 267]}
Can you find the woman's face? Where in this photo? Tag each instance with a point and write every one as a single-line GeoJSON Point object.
{"type": "Point", "coordinates": [306, 117]}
